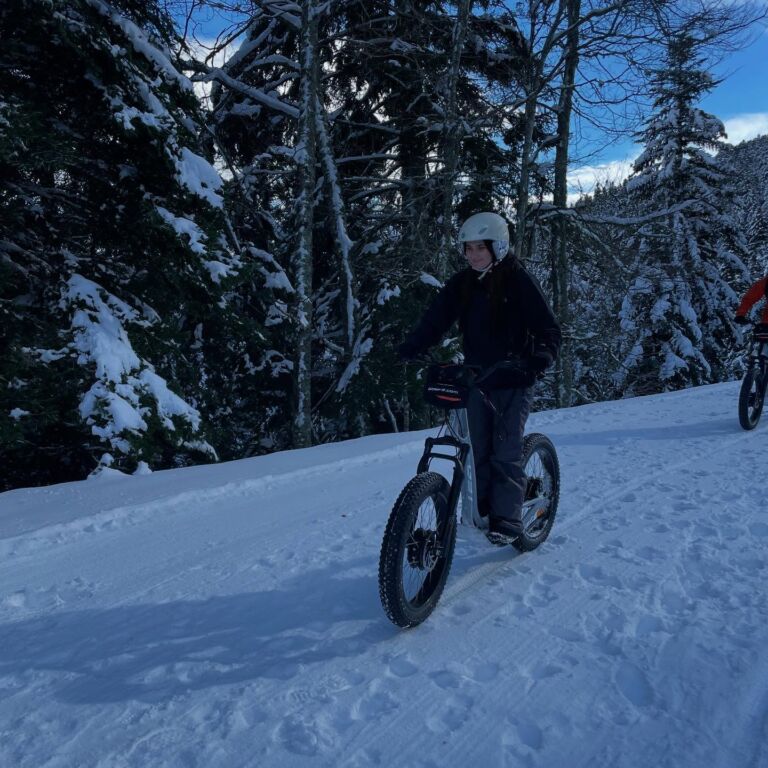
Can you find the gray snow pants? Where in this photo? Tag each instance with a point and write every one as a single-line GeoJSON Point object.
{"type": "Point", "coordinates": [497, 445]}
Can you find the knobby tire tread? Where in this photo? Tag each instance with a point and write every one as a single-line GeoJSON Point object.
{"type": "Point", "coordinates": [533, 442]}
{"type": "Point", "coordinates": [415, 492]}
{"type": "Point", "coordinates": [744, 410]}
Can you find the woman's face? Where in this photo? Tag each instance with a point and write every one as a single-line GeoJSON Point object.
{"type": "Point", "coordinates": [477, 254]}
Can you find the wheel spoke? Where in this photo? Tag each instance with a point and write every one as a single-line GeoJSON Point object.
{"type": "Point", "coordinates": [418, 580]}
{"type": "Point", "coordinates": [537, 468]}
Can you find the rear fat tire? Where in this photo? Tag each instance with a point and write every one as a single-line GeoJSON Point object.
{"type": "Point", "coordinates": [749, 417]}
{"type": "Point", "coordinates": [541, 444]}
{"type": "Point", "coordinates": [400, 610]}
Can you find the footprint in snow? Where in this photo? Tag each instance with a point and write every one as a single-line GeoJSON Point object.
{"type": "Point", "coordinates": [650, 554]}
{"type": "Point", "coordinates": [461, 609]}
{"type": "Point", "coordinates": [675, 604]}
{"type": "Point", "coordinates": [300, 738]}
{"type": "Point", "coordinates": [402, 666]}
{"type": "Point", "coordinates": [485, 672]}
{"type": "Point", "coordinates": [594, 574]}
{"type": "Point", "coordinates": [610, 548]}
{"type": "Point", "coordinates": [373, 706]}
{"type": "Point", "coordinates": [445, 679]}
{"type": "Point", "coordinates": [647, 625]}
{"type": "Point", "coordinates": [539, 596]}
{"type": "Point", "coordinates": [353, 678]}
{"type": "Point", "coordinates": [752, 564]}
{"type": "Point", "coordinates": [568, 634]}
{"type": "Point", "coordinates": [707, 531]}
{"type": "Point", "coordinates": [452, 715]}
{"type": "Point", "coordinates": [522, 611]}
{"type": "Point", "coordinates": [528, 732]}
{"type": "Point", "coordinates": [633, 685]}
{"type": "Point", "coordinates": [613, 618]}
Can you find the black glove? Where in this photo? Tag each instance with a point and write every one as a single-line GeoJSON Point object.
{"type": "Point", "coordinates": [540, 360]}
{"type": "Point", "coordinates": [741, 320]}
{"type": "Point", "coordinates": [407, 350]}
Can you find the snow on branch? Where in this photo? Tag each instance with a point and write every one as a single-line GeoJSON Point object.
{"type": "Point", "coordinates": [255, 93]}
{"type": "Point", "coordinates": [142, 45]}
{"type": "Point", "coordinates": [127, 391]}
{"type": "Point", "coordinates": [184, 227]}
{"type": "Point", "coordinates": [361, 348]}
{"type": "Point", "coordinates": [197, 175]}
{"type": "Point", "coordinates": [620, 220]}
{"type": "Point", "coordinates": [342, 238]}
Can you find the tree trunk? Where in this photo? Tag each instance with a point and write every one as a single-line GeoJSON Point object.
{"type": "Point", "coordinates": [525, 167]}
{"type": "Point", "coordinates": [560, 269]}
{"type": "Point", "coordinates": [302, 258]}
{"type": "Point", "coordinates": [451, 135]}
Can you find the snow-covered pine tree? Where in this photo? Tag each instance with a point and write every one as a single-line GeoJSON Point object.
{"type": "Point", "coordinates": [750, 163]}
{"type": "Point", "coordinates": [599, 254]}
{"type": "Point", "coordinates": [258, 102]}
{"type": "Point", "coordinates": [430, 143]}
{"type": "Point", "coordinates": [270, 125]}
{"type": "Point", "coordinates": [383, 144]}
{"type": "Point", "coordinates": [113, 259]}
{"type": "Point", "coordinates": [677, 313]}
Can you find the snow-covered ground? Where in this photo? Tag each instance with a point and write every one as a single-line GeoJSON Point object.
{"type": "Point", "coordinates": [229, 615]}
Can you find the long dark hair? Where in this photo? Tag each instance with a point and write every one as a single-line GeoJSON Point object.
{"type": "Point", "coordinates": [495, 283]}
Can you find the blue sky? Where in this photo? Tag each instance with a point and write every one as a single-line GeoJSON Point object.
{"type": "Point", "coordinates": [740, 101]}
{"type": "Point", "coordinates": [745, 90]}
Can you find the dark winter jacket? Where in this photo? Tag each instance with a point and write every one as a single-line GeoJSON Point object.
{"type": "Point", "coordinates": [757, 291]}
{"type": "Point", "coordinates": [525, 328]}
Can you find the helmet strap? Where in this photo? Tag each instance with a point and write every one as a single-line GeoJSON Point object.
{"type": "Point", "coordinates": [483, 272]}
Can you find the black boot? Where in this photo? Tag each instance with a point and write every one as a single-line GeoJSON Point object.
{"type": "Point", "coordinates": [502, 531]}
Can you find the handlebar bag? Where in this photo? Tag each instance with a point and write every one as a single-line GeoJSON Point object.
{"type": "Point", "coordinates": [448, 385]}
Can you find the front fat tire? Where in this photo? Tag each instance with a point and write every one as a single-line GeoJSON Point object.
{"type": "Point", "coordinates": [400, 610]}
{"type": "Point", "coordinates": [749, 417]}
{"type": "Point", "coordinates": [541, 444]}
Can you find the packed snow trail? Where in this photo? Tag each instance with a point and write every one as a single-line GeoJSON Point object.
{"type": "Point", "coordinates": [228, 615]}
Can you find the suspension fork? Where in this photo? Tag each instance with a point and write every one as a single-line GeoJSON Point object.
{"type": "Point", "coordinates": [458, 459]}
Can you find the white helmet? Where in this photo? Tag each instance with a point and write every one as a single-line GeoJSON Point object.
{"type": "Point", "coordinates": [486, 226]}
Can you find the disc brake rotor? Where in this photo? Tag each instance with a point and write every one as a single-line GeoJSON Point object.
{"type": "Point", "coordinates": [423, 549]}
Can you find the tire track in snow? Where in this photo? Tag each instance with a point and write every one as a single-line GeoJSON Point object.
{"type": "Point", "coordinates": [628, 678]}
{"type": "Point", "coordinates": [478, 574]}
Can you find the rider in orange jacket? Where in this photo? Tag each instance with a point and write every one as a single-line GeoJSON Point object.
{"type": "Point", "coordinates": [756, 292]}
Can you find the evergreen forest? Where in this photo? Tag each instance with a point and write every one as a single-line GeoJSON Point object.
{"type": "Point", "coordinates": [211, 248]}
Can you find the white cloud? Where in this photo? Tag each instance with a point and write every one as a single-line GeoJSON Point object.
{"type": "Point", "coordinates": [742, 127]}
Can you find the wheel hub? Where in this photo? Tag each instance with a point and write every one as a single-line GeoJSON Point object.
{"type": "Point", "coordinates": [533, 488]}
{"type": "Point", "coordinates": [423, 549]}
